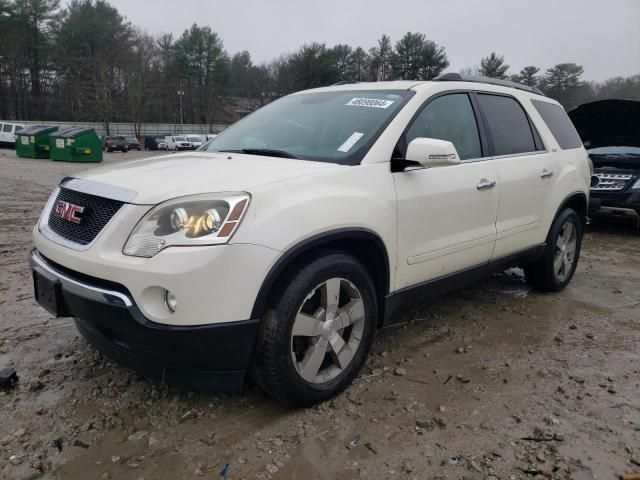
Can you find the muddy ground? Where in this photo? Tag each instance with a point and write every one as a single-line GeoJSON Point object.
{"type": "Point", "coordinates": [494, 381]}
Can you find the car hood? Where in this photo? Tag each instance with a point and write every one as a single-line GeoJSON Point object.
{"type": "Point", "coordinates": [161, 178]}
{"type": "Point", "coordinates": [624, 162]}
{"type": "Point", "coordinates": [607, 123]}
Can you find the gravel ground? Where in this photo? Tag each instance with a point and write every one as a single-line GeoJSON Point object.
{"type": "Point", "coordinates": [494, 381]}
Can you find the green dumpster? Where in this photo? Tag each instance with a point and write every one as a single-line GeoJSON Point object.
{"type": "Point", "coordinates": [76, 144]}
{"type": "Point", "coordinates": [33, 142]}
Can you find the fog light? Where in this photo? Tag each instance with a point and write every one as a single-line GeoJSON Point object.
{"type": "Point", "coordinates": [171, 301]}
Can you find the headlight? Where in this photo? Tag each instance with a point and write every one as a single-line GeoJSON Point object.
{"type": "Point", "coordinates": [637, 184]}
{"type": "Point", "coordinates": [209, 219]}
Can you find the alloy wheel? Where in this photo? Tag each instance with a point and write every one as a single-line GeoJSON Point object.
{"type": "Point", "coordinates": [327, 330]}
{"type": "Point", "coordinates": [565, 252]}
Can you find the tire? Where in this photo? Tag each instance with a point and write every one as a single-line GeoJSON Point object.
{"type": "Point", "coordinates": [555, 268]}
{"type": "Point", "coordinates": [283, 364]}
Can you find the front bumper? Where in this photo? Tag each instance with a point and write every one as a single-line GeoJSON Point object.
{"type": "Point", "coordinates": [207, 357]}
{"type": "Point", "coordinates": [212, 284]}
{"type": "Point", "coordinates": [620, 204]}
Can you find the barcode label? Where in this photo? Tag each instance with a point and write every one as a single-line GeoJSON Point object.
{"type": "Point", "coordinates": [369, 102]}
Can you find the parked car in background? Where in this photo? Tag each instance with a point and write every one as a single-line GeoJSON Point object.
{"type": "Point", "coordinates": [133, 143]}
{"type": "Point", "coordinates": [155, 143]}
{"type": "Point", "coordinates": [177, 142]}
{"type": "Point", "coordinates": [195, 140]}
{"type": "Point", "coordinates": [8, 133]}
{"type": "Point", "coordinates": [204, 146]}
{"type": "Point", "coordinates": [115, 143]}
{"type": "Point", "coordinates": [284, 247]}
{"type": "Point", "coordinates": [610, 130]}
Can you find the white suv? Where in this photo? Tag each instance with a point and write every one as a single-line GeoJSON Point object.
{"type": "Point", "coordinates": [281, 248]}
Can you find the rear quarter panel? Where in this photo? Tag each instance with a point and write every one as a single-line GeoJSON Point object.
{"type": "Point", "coordinates": [571, 169]}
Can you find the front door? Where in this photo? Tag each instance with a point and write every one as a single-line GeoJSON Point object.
{"type": "Point", "coordinates": [446, 215]}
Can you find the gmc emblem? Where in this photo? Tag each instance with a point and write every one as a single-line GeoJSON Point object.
{"type": "Point", "coordinates": [68, 211]}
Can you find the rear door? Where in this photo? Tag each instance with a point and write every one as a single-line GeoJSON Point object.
{"type": "Point", "coordinates": [446, 215]}
{"type": "Point", "coordinates": [525, 170]}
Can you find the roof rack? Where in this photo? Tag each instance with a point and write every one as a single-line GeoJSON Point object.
{"type": "Point", "coordinates": [456, 77]}
{"type": "Point", "coordinates": [343, 82]}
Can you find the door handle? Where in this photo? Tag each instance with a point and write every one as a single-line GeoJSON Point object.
{"type": "Point", "coordinates": [486, 184]}
{"type": "Point", "coordinates": [546, 173]}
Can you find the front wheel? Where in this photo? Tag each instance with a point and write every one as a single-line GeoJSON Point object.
{"type": "Point", "coordinates": [554, 270]}
{"type": "Point", "coordinates": [318, 331]}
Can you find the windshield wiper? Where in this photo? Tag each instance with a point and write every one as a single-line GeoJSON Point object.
{"type": "Point", "coordinates": [269, 152]}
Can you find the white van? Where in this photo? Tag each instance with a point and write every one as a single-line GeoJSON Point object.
{"type": "Point", "coordinates": [177, 142]}
{"type": "Point", "coordinates": [195, 140]}
{"type": "Point", "coordinates": [8, 133]}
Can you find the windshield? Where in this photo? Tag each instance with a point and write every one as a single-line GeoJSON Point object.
{"type": "Point", "coordinates": [131, 139]}
{"type": "Point", "coordinates": [337, 127]}
{"type": "Point", "coordinates": [179, 139]}
{"type": "Point", "coordinates": [194, 139]}
{"type": "Point", "coordinates": [614, 151]}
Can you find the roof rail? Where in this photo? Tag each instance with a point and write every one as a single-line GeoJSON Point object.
{"type": "Point", "coordinates": [456, 77]}
{"type": "Point", "coordinates": [343, 82]}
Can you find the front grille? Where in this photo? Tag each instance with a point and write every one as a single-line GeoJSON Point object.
{"type": "Point", "coordinates": [97, 213]}
{"type": "Point", "coordinates": [611, 182]}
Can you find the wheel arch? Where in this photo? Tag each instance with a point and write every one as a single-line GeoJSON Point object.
{"type": "Point", "coordinates": [577, 201]}
{"type": "Point", "coordinates": [363, 244]}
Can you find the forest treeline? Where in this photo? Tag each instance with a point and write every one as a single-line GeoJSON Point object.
{"type": "Point", "coordinates": [86, 62]}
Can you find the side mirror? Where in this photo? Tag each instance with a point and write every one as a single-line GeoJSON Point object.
{"type": "Point", "coordinates": [430, 152]}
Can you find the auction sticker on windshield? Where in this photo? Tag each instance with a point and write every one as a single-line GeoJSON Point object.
{"type": "Point", "coordinates": [369, 102]}
{"type": "Point", "coordinates": [351, 141]}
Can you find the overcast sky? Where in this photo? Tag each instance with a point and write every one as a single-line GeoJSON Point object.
{"type": "Point", "coordinates": [601, 35]}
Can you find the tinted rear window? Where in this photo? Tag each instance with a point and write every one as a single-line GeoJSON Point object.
{"type": "Point", "coordinates": [508, 124]}
{"type": "Point", "coordinates": [559, 123]}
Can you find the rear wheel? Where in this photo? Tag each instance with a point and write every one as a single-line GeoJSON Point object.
{"type": "Point", "coordinates": [318, 332]}
{"type": "Point", "coordinates": [554, 270]}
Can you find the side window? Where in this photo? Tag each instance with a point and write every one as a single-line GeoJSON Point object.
{"type": "Point", "coordinates": [559, 123]}
{"type": "Point", "coordinates": [508, 125]}
{"type": "Point", "coordinates": [7, 127]}
{"type": "Point", "coordinates": [451, 118]}
{"type": "Point", "coordinates": [19, 128]}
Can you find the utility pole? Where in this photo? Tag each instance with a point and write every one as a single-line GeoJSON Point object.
{"type": "Point", "coordinates": [180, 95]}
